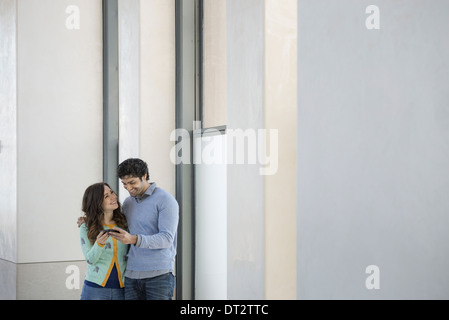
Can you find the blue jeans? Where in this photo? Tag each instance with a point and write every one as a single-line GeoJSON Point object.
{"type": "Point", "coordinates": [157, 288]}
{"type": "Point", "coordinates": [91, 293]}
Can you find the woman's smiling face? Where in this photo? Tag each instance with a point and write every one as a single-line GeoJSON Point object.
{"type": "Point", "coordinates": [110, 200]}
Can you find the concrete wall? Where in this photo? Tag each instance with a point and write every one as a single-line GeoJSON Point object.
{"type": "Point", "coordinates": [372, 150]}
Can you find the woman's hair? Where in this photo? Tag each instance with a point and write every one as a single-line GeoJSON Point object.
{"type": "Point", "coordinates": [133, 167]}
{"type": "Point", "coordinates": [93, 210]}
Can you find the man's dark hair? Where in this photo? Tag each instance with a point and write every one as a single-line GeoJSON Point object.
{"type": "Point", "coordinates": [133, 167]}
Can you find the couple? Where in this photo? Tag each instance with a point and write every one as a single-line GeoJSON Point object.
{"type": "Point", "coordinates": [130, 253]}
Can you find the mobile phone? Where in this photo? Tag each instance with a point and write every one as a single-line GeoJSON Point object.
{"type": "Point", "coordinates": [112, 230]}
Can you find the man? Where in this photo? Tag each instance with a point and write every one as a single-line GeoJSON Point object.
{"type": "Point", "coordinates": [152, 215]}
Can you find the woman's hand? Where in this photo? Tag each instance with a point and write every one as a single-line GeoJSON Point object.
{"type": "Point", "coordinates": [123, 236]}
{"type": "Point", "coordinates": [102, 237]}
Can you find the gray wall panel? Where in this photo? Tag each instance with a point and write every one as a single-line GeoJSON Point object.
{"type": "Point", "coordinates": [373, 137]}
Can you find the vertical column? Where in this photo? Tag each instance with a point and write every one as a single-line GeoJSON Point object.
{"type": "Point", "coordinates": [280, 117]}
{"type": "Point", "coordinates": [245, 108]}
{"type": "Point", "coordinates": [8, 130]}
{"type": "Point", "coordinates": [158, 94]}
{"type": "Point", "coordinates": [185, 115]}
{"type": "Point", "coordinates": [129, 80]}
{"type": "Point", "coordinates": [110, 93]}
{"type": "Point", "coordinates": [8, 148]}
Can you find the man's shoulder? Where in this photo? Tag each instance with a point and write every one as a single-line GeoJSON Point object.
{"type": "Point", "coordinates": [163, 193]}
{"type": "Point", "coordinates": [164, 196]}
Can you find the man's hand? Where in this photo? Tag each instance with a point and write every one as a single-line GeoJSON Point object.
{"type": "Point", "coordinates": [123, 236]}
{"type": "Point", "coordinates": [80, 221]}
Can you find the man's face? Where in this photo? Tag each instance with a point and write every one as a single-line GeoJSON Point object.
{"type": "Point", "coordinates": [135, 186]}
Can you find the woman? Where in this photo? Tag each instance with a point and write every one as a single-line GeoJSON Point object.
{"type": "Point", "coordinates": [105, 256]}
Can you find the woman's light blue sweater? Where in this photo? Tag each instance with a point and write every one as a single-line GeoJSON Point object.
{"type": "Point", "coordinates": [102, 258]}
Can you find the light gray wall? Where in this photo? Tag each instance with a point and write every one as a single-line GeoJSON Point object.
{"type": "Point", "coordinates": [245, 71]}
{"type": "Point", "coordinates": [373, 153]}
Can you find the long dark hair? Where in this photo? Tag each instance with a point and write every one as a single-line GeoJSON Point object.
{"type": "Point", "coordinates": [93, 211]}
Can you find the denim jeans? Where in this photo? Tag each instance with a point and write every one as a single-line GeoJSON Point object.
{"type": "Point", "coordinates": [91, 293]}
{"type": "Point", "coordinates": [157, 288]}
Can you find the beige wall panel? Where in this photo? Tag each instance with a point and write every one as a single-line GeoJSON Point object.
{"type": "Point", "coordinates": [280, 114]}
{"type": "Point", "coordinates": [158, 92]}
